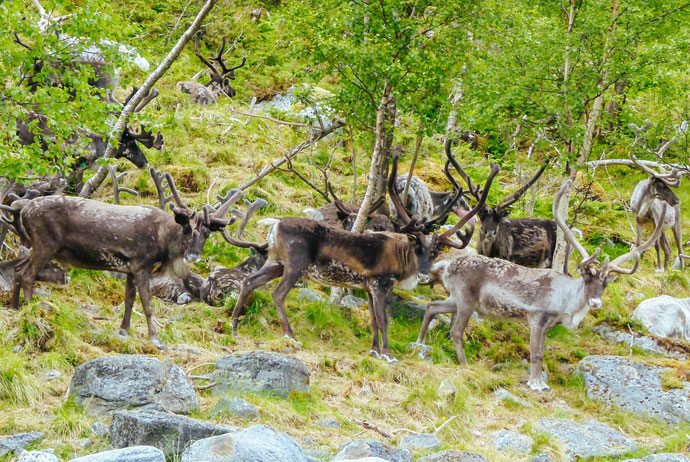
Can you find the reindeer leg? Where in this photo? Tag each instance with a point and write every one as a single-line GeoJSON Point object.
{"type": "Point", "coordinates": [375, 348]}
{"type": "Point", "coordinates": [667, 251]}
{"type": "Point", "coordinates": [678, 235]}
{"type": "Point", "coordinates": [25, 273]}
{"type": "Point", "coordinates": [287, 282]}
{"type": "Point", "coordinates": [380, 289]}
{"type": "Point", "coordinates": [457, 330]}
{"type": "Point", "coordinates": [538, 324]}
{"type": "Point", "coordinates": [657, 247]}
{"type": "Point", "coordinates": [432, 309]}
{"type": "Point", "coordinates": [270, 271]}
{"type": "Point", "coordinates": [130, 296]}
{"type": "Point", "coordinates": [142, 281]}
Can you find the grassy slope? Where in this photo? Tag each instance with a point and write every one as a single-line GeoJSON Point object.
{"type": "Point", "coordinates": [205, 145]}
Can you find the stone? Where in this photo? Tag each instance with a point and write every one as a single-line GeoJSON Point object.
{"type": "Point", "coordinates": [643, 342]}
{"type": "Point", "coordinates": [447, 390]}
{"type": "Point", "coordinates": [504, 395]}
{"type": "Point", "coordinates": [351, 301]}
{"type": "Point", "coordinates": [541, 457]}
{"type": "Point", "coordinates": [16, 443]}
{"type": "Point", "coordinates": [307, 295]}
{"type": "Point", "coordinates": [358, 449]}
{"type": "Point", "coordinates": [51, 374]}
{"type": "Point", "coordinates": [110, 383]}
{"type": "Point", "coordinates": [235, 407]}
{"type": "Point", "coordinates": [509, 441]}
{"type": "Point", "coordinates": [634, 387]}
{"type": "Point", "coordinates": [317, 454]}
{"type": "Point", "coordinates": [257, 443]}
{"type": "Point", "coordinates": [37, 456]}
{"type": "Point", "coordinates": [131, 454]}
{"type": "Point", "coordinates": [665, 316]}
{"type": "Point", "coordinates": [586, 440]}
{"type": "Point", "coordinates": [454, 455]}
{"type": "Point", "coordinates": [168, 432]}
{"type": "Point", "coordinates": [667, 457]}
{"type": "Point", "coordinates": [407, 309]}
{"type": "Point", "coordinates": [420, 442]}
{"type": "Point", "coordinates": [261, 372]}
{"type": "Point", "coordinates": [100, 429]}
{"type": "Point", "coordinates": [328, 422]}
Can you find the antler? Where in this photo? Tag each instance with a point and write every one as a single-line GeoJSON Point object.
{"type": "Point", "coordinates": [234, 68]}
{"type": "Point", "coordinates": [465, 237]}
{"type": "Point", "coordinates": [410, 225]}
{"type": "Point", "coordinates": [567, 233]}
{"type": "Point", "coordinates": [160, 188]}
{"type": "Point", "coordinates": [510, 200]}
{"type": "Point", "coordinates": [150, 96]}
{"type": "Point", "coordinates": [201, 57]}
{"type": "Point", "coordinates": [672, 179]}
{"type": "Point", "coordinates": [473, 189]}
{"type": "Point", "coordinates": [252, 208]}
{"type": "Point", "coordinates": [146, 137]}
{"type": "Point", "coordinates": [116, 184]}
{"type": "Point", "coordinates": [442, 216]}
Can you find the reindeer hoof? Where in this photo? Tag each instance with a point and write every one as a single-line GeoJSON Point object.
{"type": "Point", "coordinates": [424, 350]}
{"type": "Point", "coordinates": [374, 354]}
{"type": "Point", "coordinates": [659, 270]}
{"type": "Point", "coordinates": [123, 333]}
{"type": "Point", "coordinates": [293, 342]}
{"type": "Point", "coordinates": [389, 358]}
{"type": "Point", "coordinates": [538, 385]}
{"type": "Point", "coordinates": [158, 344]}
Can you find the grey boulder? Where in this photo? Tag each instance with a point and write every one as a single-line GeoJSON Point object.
{"type": "Point", "coordinates": [168, 432]}
{"type": "Point", "coordinates": [359, 449]}
{"type": "Point", "coordinates": [634, 387]}
{"type": "Point", "coordinates": [505, 440]}
{"type": "Point", "coordinates": [541, 457]}
{"type": "Point", "coordinates": [586, 440]}
{"type": "Point", "coordinates": [110, 383]}
{"type": "Point", "coordinates": [261, 372]}
{"type": "Point", "coordinates": [665, 316]}
{"type": "Point", "coordinates": [665, 457]}
{"type": "Point", "coordinates": [235, 407]}
{"type": "Point", "coordinates": [453, 455]}
{"type": "Point", "coordinates": [37, 456]}
{"type": "Point", "coordinates": [18, 442]}
{"type": "Point", "coordinates": [420, 442]}
{"type": "Point", "coordinates": [643, 342]}
{"type": "Point", "coordinates": [131, 454]}
{"type": "Point", "coordinates": [259, 443]}
{"type": "Point", "coordinates": [328, 422]}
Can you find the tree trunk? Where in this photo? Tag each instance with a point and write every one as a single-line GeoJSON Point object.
{"type": "Point", "coordinates": [559, 253]}
{"type": "Point", "coordinates": [418, 146]}
{"type": "Point", "coordinates": [122, 121]}
{"type": "Point", "coordinates": [379, 159]}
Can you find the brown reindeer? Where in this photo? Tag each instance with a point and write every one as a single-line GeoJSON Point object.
{"type": "Point", "coordinates": [375, 262]}
{"type": "Point", "coordinates": [133, 240]}
{"type": "Point", "coordinates": [220, 78]}
{"type": "Point", "coordinates": [51, 273]}
{"type": "Point", "coordinates": [499, 289]}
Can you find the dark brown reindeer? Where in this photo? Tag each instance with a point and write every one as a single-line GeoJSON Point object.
{"type": "Point", "coordinates": [375, 262]}
{"type": "Point", "coordinates": [133, 240]}
{"type": "Point", "coordinates": [646, 203]}
{"type": "Point", "coordinates": [499, 289]}
{"type": "Point", "coordinates": [51, 273]}
{"type": "Point", "coordinates": [526, 241]}
{"type": "Point", "coordinates": [220, 78]}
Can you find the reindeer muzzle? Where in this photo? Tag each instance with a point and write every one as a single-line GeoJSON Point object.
{"type": "Point", "coordinates": [595, 303]}
{"type": "Point", "coordinates": [192, 257]}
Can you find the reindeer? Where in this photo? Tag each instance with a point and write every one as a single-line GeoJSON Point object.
{"type": "Point", "coordinates": [526, 241]}
{"type": "Point", "coordinates": [375, 262]}
{"type": "Point", "coordinates": [220, 78]}
{"type": "Point", "coordinates": [133, 240]}
{"type": "Point", "coordinates": [646, 203]}
{"type": "Point", "coordinates": [51, 273]}
{"type": "Point", "coordinates": [499, 289]}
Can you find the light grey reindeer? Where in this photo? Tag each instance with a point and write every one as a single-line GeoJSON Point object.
{"type": "Point", "coordinates": [498, 289]}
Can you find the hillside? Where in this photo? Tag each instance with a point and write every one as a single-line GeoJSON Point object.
{"type": "Point", "coordinates": [211, 149]}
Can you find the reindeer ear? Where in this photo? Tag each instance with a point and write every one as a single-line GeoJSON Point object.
{"type": "Point", "coordinates": [182, 217]}
{"type": "Point", "coordinates": [342, 215]}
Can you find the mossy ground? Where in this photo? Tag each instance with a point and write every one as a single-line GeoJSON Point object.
{"type": "Point", "coordinates": [211, 146]}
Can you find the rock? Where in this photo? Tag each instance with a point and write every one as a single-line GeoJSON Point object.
{"type": "Point", "coordinates": [643, 342]}
{"type": "Point", "coordinates": [51, 374]}
{"type": "Point", "coordinates": [254, 444]}
{"type": "Point", "coordinates": [407, 309]}
{"type": "Point", "coordinates": [665, 316]}
{"type": "Point", "coordinates": [454, 455]}
{"type": "Point", "coordinates": [100, 429]}
{"type": "Point", "coordinates": [351, 301]}
{"type": "Point", "coordinates": [308, 295]}
{"type": "Point", "coordinates": [587, 440]}
{"type": "Point", "coordinates": [168, 432]}
{"type": "Point", "coordinates": [236, 407]}
{"type": "Point", "coordinates": [634, 387]}
{"type": "Point", "coordinates": [110, 383]}
{"type": "Point", "coordinates": [447, 390]}
{"type": "Point", "coordinates": [420, 441]}
{"type": "Point", "coordinates": [131, 454]}
{"type": "Point", "coordinates": [317, 454]}
{"type": "Point", "coordinates": [358, 449]}
{"type": "Point", "coordinates": [328, 422]}
{"type": "Point", "coordinates": [261, 372]}
{"type": "Point", "coordinates": [18, 442]}
{"type": "Point", "coordinates": [37, 456]}
{"type": "Point", "coordinates": [505, 395]}
{"type": "Point", "coordinates": [666, 457]}
{"type": "Point", "coordinates": [505, 440]}
{"type": "Point", "coordinates": [541, 457]}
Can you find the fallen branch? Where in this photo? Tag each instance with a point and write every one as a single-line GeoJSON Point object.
{"type": "Point", "coordinates": [278, 121]}
{"type": "Point", "coordinates": [370, 426]}
{"type": "Point", "coordinates": [316, 135]}
{"type": "Point", "coordinates": [439, 428]}
{"type": "Point", "coordinates": [630, 163]}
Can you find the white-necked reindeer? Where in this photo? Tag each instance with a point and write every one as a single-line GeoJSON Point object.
{"type": "Point", "coordinates": [498, 289]}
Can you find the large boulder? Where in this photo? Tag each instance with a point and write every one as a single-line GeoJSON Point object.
{"type": "Point", "coordinates": [634, 387]}
{"type": "Point", "coordinates": [261, 372]}
{"type": "Point", "coordinates": [420, 442]}
{"type": "Point", "coordinates": [664, 457]}
{"type": "Point", "coordinates": [168, 432]}
{"type": "Point", "coordinates": [586, 440]}
{"type": "Point", "coordinates": [643, 342]}
{"type": "Point", "coordinates": [453, 455]}
{"type": "Point", "coordinates": [131, 454]}
{"type": "Point", "coordinates": [18, 442]}
{"type": "Point", "coordinates": [37, 456]}
{"type": "Point", "coordinates": [107, 384]}
{"type": "Point", "coordinates": [259, 443]}
{"type": "Point", "coordinates": [665, 316]}
{"type": "Point", "coordinates": [506, 440]}
{"type": "Point", "coordinates": [359, 449]}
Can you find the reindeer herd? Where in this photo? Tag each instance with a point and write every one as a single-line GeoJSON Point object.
{"type": "Point", "coordinates": [509, 276]}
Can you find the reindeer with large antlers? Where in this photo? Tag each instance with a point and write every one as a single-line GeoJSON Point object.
{"type": "Point", "coordinates": [220, 78]}
{"type": "Point", "coordinates": [499, 289]}
{"type": "Point", "coordinates": [133, 240]}
{"type": "Point", "coordinates": [646, 202]}
{"type": "Point", "coordinates": [526, 241]}
{"type": "Point", "coordinates": [375, 262]}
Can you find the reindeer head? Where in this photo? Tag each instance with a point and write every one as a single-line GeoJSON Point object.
{"type": "Point", "coordinates": [128, 147]}
{"type": "Point", "coordinates": [220, 74]}
{"type": "Point", "coordinates": [660, 183]}
{"type": "Point", "coordinates": [597, 276]}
